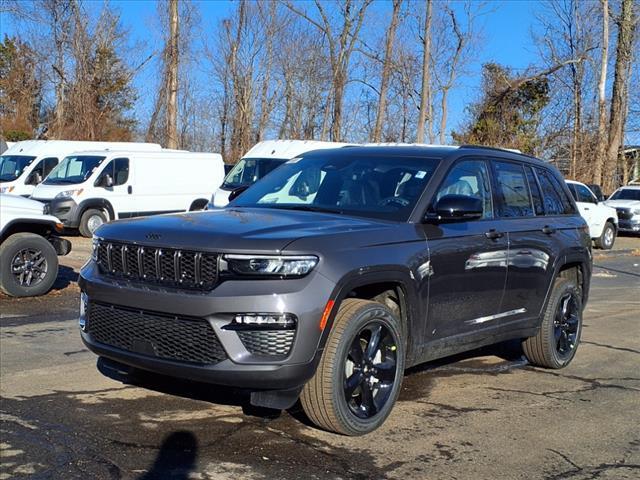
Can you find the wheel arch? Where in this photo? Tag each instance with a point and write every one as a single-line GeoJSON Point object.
{"type": "Point", "coordinates": [44, 228]}
{"type": "Point", "coordinates": [97, 203]}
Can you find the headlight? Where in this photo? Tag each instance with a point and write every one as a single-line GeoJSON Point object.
{"type": "Point", "coordinates": [95, 243]}
{"type": "Point", "coordinates": [636, 211]}
{"type": "Point", "coordinates": [69, 193]}
{"type": "Point", "coordinates": [269, 265]}
{"type": "Point", "coordinates": [6, 189]}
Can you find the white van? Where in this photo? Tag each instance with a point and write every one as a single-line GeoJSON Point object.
{"type": "Point", "coordinates": [262, 159]}
{"type": "Point", "coordinates": [89, 188]}
{"type": "Point", "coordinates": [25, 164]}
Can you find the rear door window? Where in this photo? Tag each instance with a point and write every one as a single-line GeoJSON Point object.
{"type": "Point", "coordinates": [534, 189]}
{"type": "Point", "coordinates": [556, 202]}
{"type": "Point", "coordinates": [514, 199]}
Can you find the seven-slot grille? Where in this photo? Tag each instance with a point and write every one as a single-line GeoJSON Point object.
{"type": "Point", "coordinates": [165, 266]}
{"type": "Point", "coordinates": [154, 334]}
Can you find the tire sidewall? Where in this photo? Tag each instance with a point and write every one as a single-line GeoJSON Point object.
{"type": "Point", "coordinates": [363, 317]}
{"type": "Point", "coordinates": [563, 288]}
{"type": "Point", "coordinates": [85, 231]}
{"type": "Point", "coordinates": [10, 248]}
{"type": "Point", "coordinates": [603, 242]}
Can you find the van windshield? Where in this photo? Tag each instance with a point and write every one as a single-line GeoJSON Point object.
{"type": "Point", "coordinates": [73, 169]}
{"type": "Point", "coordinates": [249, 170]}
{"type": "Point", "coordinates": [12, 166]}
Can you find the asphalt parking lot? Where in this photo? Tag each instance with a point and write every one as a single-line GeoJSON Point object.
{"type": "Point", "coordinates": [484, 415]}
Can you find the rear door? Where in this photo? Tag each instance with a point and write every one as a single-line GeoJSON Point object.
{"type": "Point", "coordinates": [531, 201]}
{"type": "Point", "coordinates": [468, 260]}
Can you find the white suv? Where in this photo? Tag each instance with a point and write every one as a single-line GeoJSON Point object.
{"type": "Point", "coordinates": [626, 200]}
{"type": "Point", "coordinates": [602, 219]}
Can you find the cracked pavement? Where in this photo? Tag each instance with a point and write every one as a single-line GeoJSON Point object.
{"type": "Point", "coordinates": [483, 415]}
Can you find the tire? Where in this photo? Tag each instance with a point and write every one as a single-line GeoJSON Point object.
{"type": "Point", "coordinates": [324, 397]}
{"type": "Point", "coordinates": [557, 341]}
{"type": "Point", "coordinates": [37, 260]}
{"type": "Point", "coordinates": [608, 237]}
{"type": "Point", "coordinates": [90, 221]}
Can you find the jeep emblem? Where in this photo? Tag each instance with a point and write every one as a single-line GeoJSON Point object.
{"type": "Point", "coordinates": [153, 236]}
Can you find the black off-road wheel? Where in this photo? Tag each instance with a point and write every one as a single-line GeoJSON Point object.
{"type": "Point", "coordinates": [359, 376]}
{"type": "Point", "coordinates": [556, 343]}
{"type": "Point", "coordinates": [90, 221]}
{"type": "Point", "coordinates": [28, 265]}
{"type": "Point", "coordinates": [608, 237]}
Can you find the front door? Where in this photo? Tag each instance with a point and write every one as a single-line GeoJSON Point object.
{"type": "Point", "coordinates": [468, 259]}
{"type": "Point", "coordinates": [119, 193]}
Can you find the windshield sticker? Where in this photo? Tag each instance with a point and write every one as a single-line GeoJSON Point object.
{"type": "Point", "coordinates": [421, 174]}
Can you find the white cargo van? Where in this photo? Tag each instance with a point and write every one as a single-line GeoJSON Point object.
{"type": "Point", "coordinates": [25, 164]}
{"type": "Point", "coordinates": [89, 188]}
{"type": "Point", "coordinates": [262, 159]}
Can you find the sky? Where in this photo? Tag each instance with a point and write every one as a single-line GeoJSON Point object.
{"type": "Point", "coordinates": [506, 30]}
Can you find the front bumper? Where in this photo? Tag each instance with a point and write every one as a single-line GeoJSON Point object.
{"type": "Point", "coordinates": [631, 225]}
{"type": "Point", "coordinates": [66, 209]}
{"type": "Point", "coordinates": [305, 297]}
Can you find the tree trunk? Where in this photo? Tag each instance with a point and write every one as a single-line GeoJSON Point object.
{"type": "Point", "coordinates": [172, 77]}
{"type": "Point", "coordinates": [626, 28]}
{"type": "Point", "coordinates": [601, 147]}
{"type": "Point", "coordinates": [386, 72]}
{"type": "Point", "coordinates": [425, 90]}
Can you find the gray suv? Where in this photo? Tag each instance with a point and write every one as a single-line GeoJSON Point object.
{"type": "Point", "coordinates": [328, 278]}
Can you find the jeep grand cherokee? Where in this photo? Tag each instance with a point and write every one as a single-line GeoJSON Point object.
{"type": "Point", "coordinates": [329, 277]}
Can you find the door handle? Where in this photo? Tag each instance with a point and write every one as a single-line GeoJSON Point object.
{"type": "Point", "coordinates": [130, 189]}
{"type": "Point", "coordinates": [548, 230]}
{"type": "Point", "coordinates": [586, 208]}
{"type": "Point", "coordinates": [493, 234]}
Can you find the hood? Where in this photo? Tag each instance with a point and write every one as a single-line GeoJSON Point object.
{"type": "Point", "coordinates": [48, 192]}
{"type": "Point", "coordinates": [239, 230]}
{"type": "Point", "coordinates": [623, 203]}
{"type": "Point", "coordinates": [17, 202]}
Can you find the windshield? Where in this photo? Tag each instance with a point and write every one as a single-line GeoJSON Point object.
{"type": "Point", "coordinates": [12, 166]}
{"type": "Point", "coordinates": [74, 169]}
{"type": "Point", "coordinates": [376, 187]}
{"type": "Point", "coordinates": [626, 194]}
{"type": "Point", "coordinates": [249, 170]}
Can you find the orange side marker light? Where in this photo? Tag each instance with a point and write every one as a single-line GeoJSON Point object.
{"type": "Point", "coordinates": [325, 314]}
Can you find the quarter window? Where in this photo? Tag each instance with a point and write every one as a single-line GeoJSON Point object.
{"type": "Point", "coordinates": [556, 202]}
{"type": "Point", "coordinates": [513, 190]}
{"type": "Point", "coordinates": [471, 178]}
{"type": "Point", "coordinates": [534, 189]}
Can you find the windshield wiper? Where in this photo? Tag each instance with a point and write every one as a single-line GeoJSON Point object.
{"type": "Point", "coordinates": [307, 208]}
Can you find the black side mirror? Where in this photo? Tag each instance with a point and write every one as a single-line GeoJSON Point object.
{"type": "Point", "coordinates": [106, 181]}
{"type": "Point", "coordinates": [456, 208]}
{"type": "Point", "coordinates": [34, 179]}
{"type": "Point", "coordinates": [235, 193]}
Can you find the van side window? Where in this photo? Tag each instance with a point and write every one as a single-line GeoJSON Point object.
{"type": "Point", "coordinates": [120, 171]}
{"type": "Point", "coordinates": [49, 164]}
{"type": "Point", "coordinates": [556, 201]}
{"type": "Point", "coordinates": [513, 190]}
{"type": "Point", "coordinates": [534, 189]}
{"type": "Point", "coordinates": [471, 178]}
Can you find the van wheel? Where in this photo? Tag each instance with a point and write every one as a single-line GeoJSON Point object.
{"type": "Point", "coordinates": [360, 372]}
{"type": "Point", "coordinates": [557, 340]}
{"type": "Point", "coordinates": [608, 237]}
{"type": "Point", "coordinates": [90, 221]}
{"type": "Point", "coordinates": [28, 265]}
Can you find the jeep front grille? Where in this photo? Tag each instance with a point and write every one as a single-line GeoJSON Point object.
{"type": "Point", "coordinates": [170, 337]}
{"type": "Point", "coordinates": [163, 266]}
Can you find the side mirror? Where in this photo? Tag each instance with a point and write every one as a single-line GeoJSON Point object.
{"type": "Point", "coordinates": [106, 181]}
{"type": "Point", "coordinates": [456, 208]}
{"type": "Point", "coordinates": [235, 193]}
{"type": "Point", "coordinates": [34, 179]}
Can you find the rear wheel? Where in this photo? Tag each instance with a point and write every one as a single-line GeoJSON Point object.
{"type": "Point", "coordinates": [607, 238]}
{"type": "Point", "coordinates": [556, 343]}
{"type": "Point", "coordinates": [360, 373]}
{"type": "Point", "coordinates": [28, 265]}
{"type": "Point", "coordinates": [90, 221]}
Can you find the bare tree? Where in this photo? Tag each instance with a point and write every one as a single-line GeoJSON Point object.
{"type": "Point", "coordinates": [626, 26]}
{"type": "Point", "coordinates": [172, 77]}
{"type": "Point", "coordinates": [601, 148]}
{"type": "Point", "coordinates": [386, 71]}
{"type": "Point", "coordinates": [425, 90]}
{"type": "Point", "coordinates": [342, 40]}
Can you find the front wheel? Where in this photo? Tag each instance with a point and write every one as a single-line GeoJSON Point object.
{"type": "Point", "coordinates": [359, 376]}
{"type": "Point", "coordinates": [28, 265]}
{"type": "Point", "coordinates": [606, 240]}
{"type": "Point", "coordinates": [557, 340]}
{"type": "Point", "coordinates": [90, 221]}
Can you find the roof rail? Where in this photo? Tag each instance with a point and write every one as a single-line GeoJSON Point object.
{"type": "Point", "coordinates": [502, 149]}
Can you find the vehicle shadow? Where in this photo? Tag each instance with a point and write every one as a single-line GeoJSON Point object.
{"type": "Point", "coordinates": [66, 276]}
{"type": "Point", "coordinates": [176, 458]}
